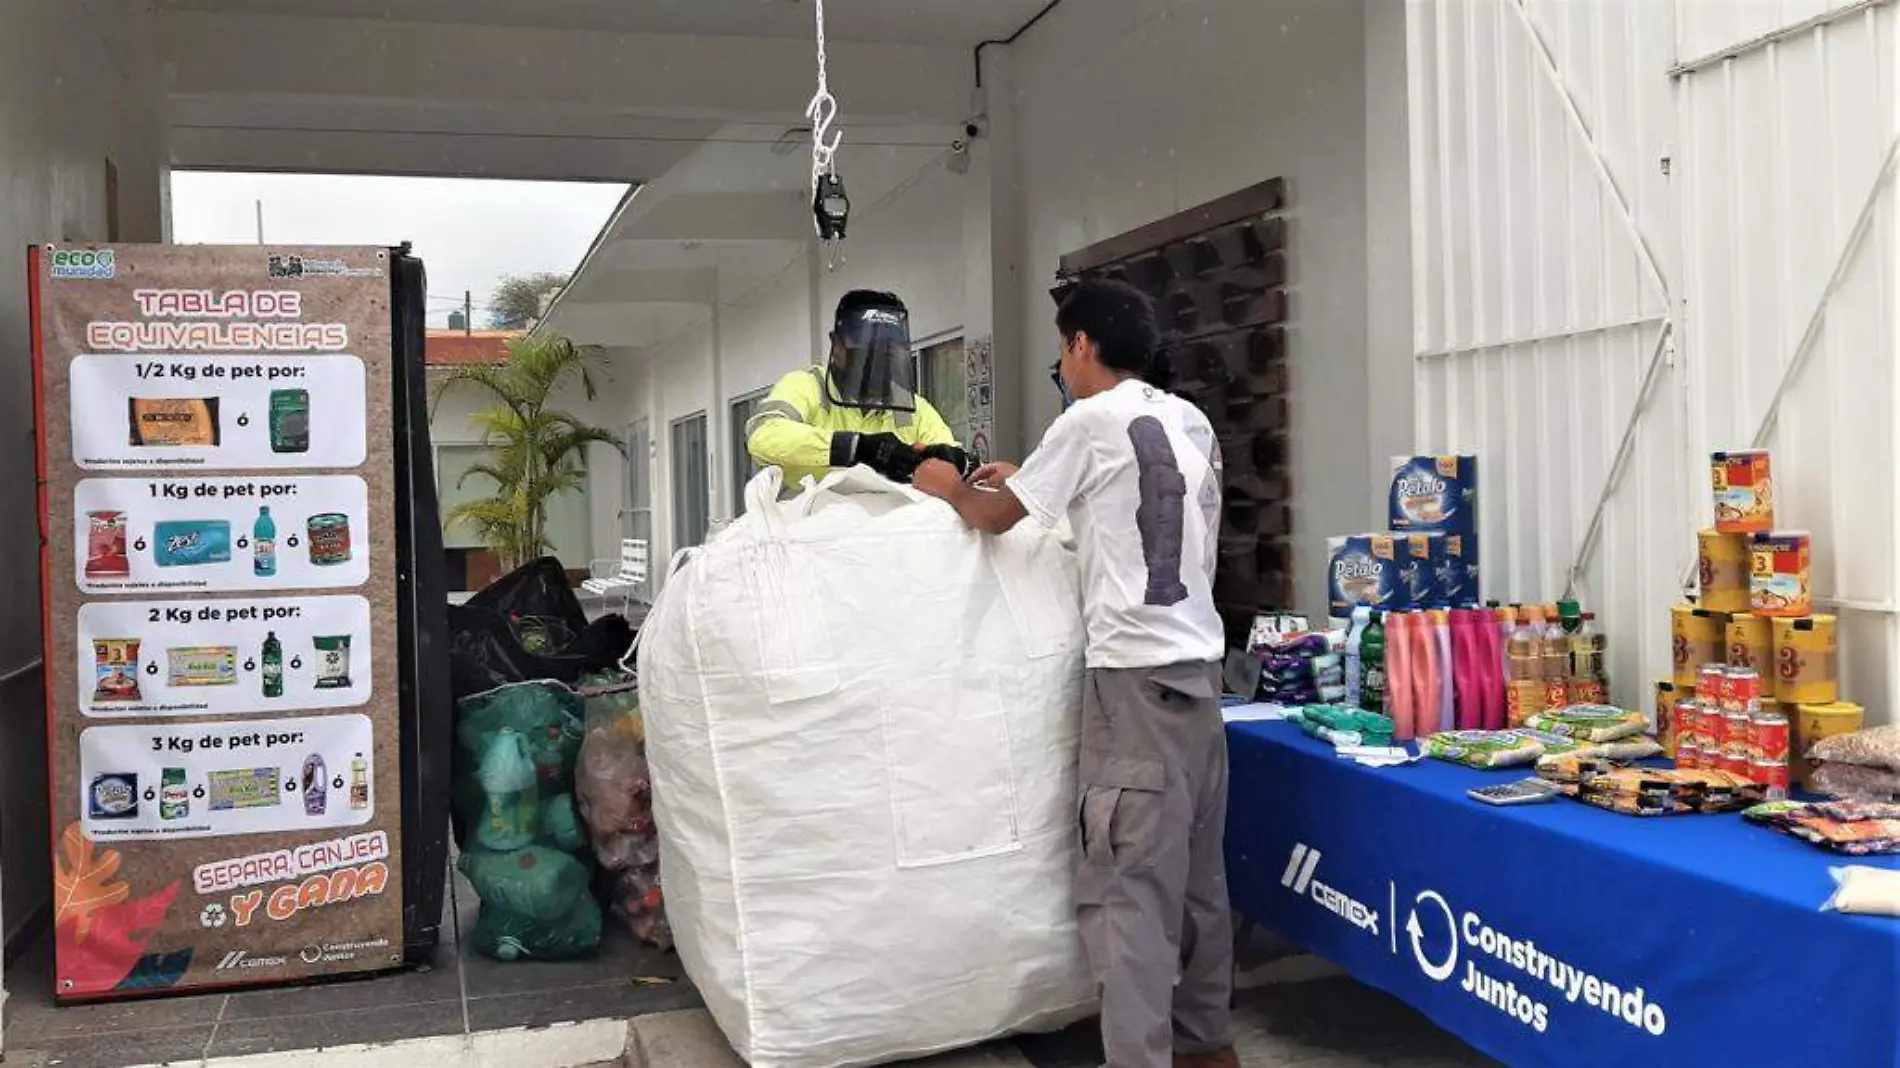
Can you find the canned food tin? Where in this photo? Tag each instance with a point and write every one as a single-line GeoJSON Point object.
{"type": "Point", "coordinates": [1736, 761]}
{"type": "Point", "coordinates": [1771, 736]}
{"type": "Point", "coordinates": [1714, 737]}
{"type": "Point", "coordinates": [1738, 730]}
{"type": "Point", "coordinates": [1805, 651]}
{"type": "Point", "coordinates": [329, 539]}
{"type": "Point", "coordinates": [1667, 717]}
{"type": "Point", "coordinates": [1688, 755]}
{"type": "Point", "coordinates": [1751, 643]}
{"type": "Point", "coordinates": [1722, 560]}
{"type": "Point", "coordinates": [1710, 680]}
{"type": "Point", "coordinates": [1689, 721]}
{"type": "Point", "coordinates": [1741, 690]}
{"type": "Point", "coordinates": [1744, 491]}
{"type": "Point", "coordinates": [1778, 583]}
{"type": "Point", "coordinates": [1696, 639]}
{"type": "Point", "coordinates": [1774, 775]}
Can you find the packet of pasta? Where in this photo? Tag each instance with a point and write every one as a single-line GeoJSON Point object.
{"type": "Point", "coordinates": [173, 421]}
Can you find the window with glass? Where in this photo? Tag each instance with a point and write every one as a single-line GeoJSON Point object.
{"type": "Point", "coordinates": [743, 409]}
{"type": "Point", "coordinates": [692, 501]}
{"type": "Point", "coordinates": [944, 380]}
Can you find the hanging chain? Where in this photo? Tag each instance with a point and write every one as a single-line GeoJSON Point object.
{"type": "Point", "coordinates": [822, 111]}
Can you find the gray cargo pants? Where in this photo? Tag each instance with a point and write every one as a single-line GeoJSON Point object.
{"type": "Point", "coordinates": [1151, 891]}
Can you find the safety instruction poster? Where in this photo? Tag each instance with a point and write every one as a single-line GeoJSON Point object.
{"type": "Point", "coordinates": [220, 597]}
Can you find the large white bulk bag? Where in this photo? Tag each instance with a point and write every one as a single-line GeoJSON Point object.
{"type": "Point", "coordinates": [862, 727]}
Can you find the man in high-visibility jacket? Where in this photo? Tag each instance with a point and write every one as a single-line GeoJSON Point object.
{"type": "Point", "coordinates": [862, 407]}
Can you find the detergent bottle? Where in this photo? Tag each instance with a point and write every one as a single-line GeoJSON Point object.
{"type": "Point", "coordinates": [1400, 691]}
{"type": "Point", "coordinates": [1372, 681]}
{"type": "Point", "coordinates": [1447, 669]}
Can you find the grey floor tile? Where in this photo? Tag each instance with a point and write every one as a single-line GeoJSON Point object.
{"type": "Point", "coordinates": [419, 987]}
{"type": "Point", "coordinates": [621, 1000]}
{"type": "Point", "coordinates": [324, 1030]}
{"type": "Point", "coordinates": [622, 959]}
{"type": "Point", "coordinates": [123, 1017]}
{"type": "Point", "coordinates": [161, 1045]}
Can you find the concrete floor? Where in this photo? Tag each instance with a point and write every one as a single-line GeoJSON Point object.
{"type": "Point", "coordinates": [1292, 1010]}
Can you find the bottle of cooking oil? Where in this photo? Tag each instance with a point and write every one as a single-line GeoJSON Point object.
{"type": "Point", "coordinates": [1524, 668]}
{"type": "Point", "coordinates": [1556, 656]}
{"type": "Point", "coordinates": [1589, 676]}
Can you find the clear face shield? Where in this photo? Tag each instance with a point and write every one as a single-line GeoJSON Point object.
{"type": "Point", "coordinates": [871, 363]}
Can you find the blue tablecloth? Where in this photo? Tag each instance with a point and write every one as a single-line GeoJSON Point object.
{"type": "Point", "coordinates": [1556, 933]}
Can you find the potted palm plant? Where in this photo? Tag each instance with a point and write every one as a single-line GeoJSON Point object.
{"type": "Point", "coordinates": [537, 451]}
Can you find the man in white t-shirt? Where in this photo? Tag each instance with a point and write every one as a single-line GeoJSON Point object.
{"type": "Point", "coordinates": [1136, 471]}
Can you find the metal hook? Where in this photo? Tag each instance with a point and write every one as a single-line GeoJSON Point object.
{"type": "Point", "coordinates": [834, 256]}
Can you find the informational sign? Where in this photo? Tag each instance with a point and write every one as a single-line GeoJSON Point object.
{"type": "Point", "coordinates": [221, 604]}
{"type": "Point", "coordinates": [978, 365]}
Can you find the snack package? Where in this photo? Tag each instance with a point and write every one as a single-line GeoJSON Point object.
{"type": "Point", "coordinates": [117, 663]}
{"type": "Point", "coordinates": [1570, 770]}
{"type": "Point", "coordinates": [1875, 747]}
{"type": "Point", "coordinates": [1484, 749]}
{"type": "Point", "coordinates": [1590, 723]}
{"type": "Point", "coordinates": [1864, 890]}
{"type": "Point", "coordinates": [105, 545]}
{"type": "Point", "coordinates": [173, 421]}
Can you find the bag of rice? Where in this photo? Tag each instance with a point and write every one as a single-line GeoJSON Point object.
{"type": "Point", "coordinates": [1635, 747]}
{"type": "Point", "coordinates": [1484, 749]}
{"type": "Point", "coordinates": [1868, 891]}
{"type": "Point", "coordinates": [1590, 723]}
{"type": "Point", "coordinates": [1855, 782]}
{"type": "Point", "coordinates": [1875, 747]}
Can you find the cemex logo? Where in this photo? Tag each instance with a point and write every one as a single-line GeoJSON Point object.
{"type": "Point", "coordinates": [237, 959]}
{"type": "Point", "coordinates": [1299, 879]}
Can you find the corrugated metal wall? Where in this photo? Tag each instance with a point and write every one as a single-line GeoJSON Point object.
{"type": "Point", "coordinates": [1625, 213]}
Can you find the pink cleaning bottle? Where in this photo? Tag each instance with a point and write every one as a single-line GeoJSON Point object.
{"type": "Point", "coordinates": [1492, 687]}
{"type": "Point", "coordinates": [1447, 669]}
{"type": "Point", "coordinates": [1401, 700]}
{"type": "Point", "coordinates": [1424, 676]}
{"type": "Point", "coordinates": [1471, 649]}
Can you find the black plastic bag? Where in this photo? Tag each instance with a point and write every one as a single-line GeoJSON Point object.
{"type": "Point", "coordinates": [528, 625]}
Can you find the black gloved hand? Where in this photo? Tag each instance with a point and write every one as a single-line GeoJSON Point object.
{"type": "Point", "coordinates": [887, 454]}
{"type": "Point", "coordinates": [954, 456]}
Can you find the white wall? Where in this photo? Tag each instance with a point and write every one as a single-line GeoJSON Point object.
{"type": "Point", "coordinates": [1538, 320]}
{"type": "Point", "coordinates": [1131, 111]}
{"type": "Point", "coordinates": [77, 86]}
{"type": "Point", "coordinates": [1084, 149]}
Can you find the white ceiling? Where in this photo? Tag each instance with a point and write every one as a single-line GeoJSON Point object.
{"type": "Point", "coordinates": [916, 22]}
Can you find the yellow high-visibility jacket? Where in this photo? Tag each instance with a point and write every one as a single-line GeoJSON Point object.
{"type": "Point", "coordinates": [793, 427]}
